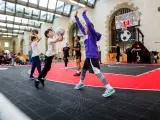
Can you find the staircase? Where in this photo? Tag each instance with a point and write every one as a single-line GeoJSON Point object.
{"type": "Point", "coordinates": [145, 55]}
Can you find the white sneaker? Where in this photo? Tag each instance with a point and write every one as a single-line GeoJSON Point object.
{"type": "Point", "coordinates": [108, 92]}
{"type": "Point", "coordinates": [65, 68]}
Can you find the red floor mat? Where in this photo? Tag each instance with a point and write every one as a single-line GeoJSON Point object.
{"type": "Point", "coordinates": [148, 81]}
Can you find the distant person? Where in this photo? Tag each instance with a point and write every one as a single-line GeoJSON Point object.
{"type": "Point", "coordinates": [134, 55]}
{"type": "Point", "coordinates": [117, 52]}
{"type": "Point", "coordinates": [66, 54]}
{"type": "Point", "coordinates": [13, 59]}
{"type": "Point", "coordinates": [36, 63]}
{"type": "Point", "coordinates": [1, 57]}
{"type": "Point", "coordinates": [129, 54]}
{"type": "Point", "coordinates": [78, 55]}
{"type": "Point", "coordinates": [99, 50]}
{"type": "Point", "coordinates": [155, 57]}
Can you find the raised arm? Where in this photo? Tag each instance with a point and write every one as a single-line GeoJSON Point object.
{"type": "Point", "coordinates": [38, 38]}
{"type": "Point", "coordinates": [79, 23]}
{"type": "Point", "coordinates": [58, 39]}
{"type": "Point", "coordinates": [88, 23]}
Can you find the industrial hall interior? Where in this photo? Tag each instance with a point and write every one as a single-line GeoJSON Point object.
{"type": "Point", "coordinates": [79, 59]}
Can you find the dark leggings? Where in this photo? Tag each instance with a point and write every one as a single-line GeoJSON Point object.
{"type": "Point", "coordinates": [36, 63]}
{"type": "Point", "coordinates": [118, 57]}
{"type": "Point", "coordinates": [65, 61]}
{"type": "Point", "coordinates": [46, 68]}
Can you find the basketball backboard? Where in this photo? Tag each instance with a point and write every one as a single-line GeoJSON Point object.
{"type": "Point", "coordinates": [131, 19]}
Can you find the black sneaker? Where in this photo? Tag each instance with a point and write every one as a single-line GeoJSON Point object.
{"type": "Point", "coordinates": [42, 82]}
{"type": "Point", "coordinates": [77, 74]}
{"type": "Point", "coordinates": [31, 78]}
{"type": "Point", "coordinates": [36, 84]}
{"type": "Point", "coordinates": [44, 79]}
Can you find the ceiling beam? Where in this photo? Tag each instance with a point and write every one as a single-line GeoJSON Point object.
{"type": "Point", "coordinates": [38, 7]}
{"type": "Point", "coordinates": [9, 28]}
{"type": "Point", "coordinates": [15, 23]}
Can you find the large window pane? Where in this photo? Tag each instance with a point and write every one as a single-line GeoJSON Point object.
{"type": "Point", "coordinates": [23, 0]}
{"type": "Point", "coordinates": [2, 5]}
{"type": "Point", "coordinates": [83, 1]}
{"type": "Point", "coordinates": [17, 19]}
{"type": "Point", "coordinates": [52, 4]}
{"type": "Point", "coordinates": [31, 22]}
{"type": "Point", "coordinates": [60, 6]}
{"type": "Point", "coordinates": [19, 8]}
{"type": "Point", "coordinates": [2, 17]}
{"type": "Point", "coordinates": [33, 1]}
{"type": "Point", "coordinates": [36, 13]}
{"type": "Point", "coordinates": [20, 31]}
{"type": "Point", "coordinates": [91, 2]}
{"type": "Point", "coordinates": [75, 7]}
{"type": "Point", "coordinates": [10, 7]}
{"type": "Point", "coordinates": [14, 34]}
{"type": "Point", "coordinates": [16, 26]}
{"type": "Point", "coordinates": [10, 25]}
{"type": "Point", "coordinates": [50, 17]}
{"type": "Point", "coordinates": [24, 21]}
{"type": "Point", "coordinates": [67, 9]}
{"type": "Point", "coordinates": [2, 24]}
{"type": "Point", "coordinates": [29, 28]}
{"type": "Point", "coordinates": [10, 18]}
{"type": "Point", "coordinates": [10, 31]}
{"type": "Point", "coordinates": [37, 24]}
{"type": "Point", "coordinates": [3, 29]}
{"type": "Point", "coordinates": [15, 30]}
{"type": "Point", "coordinates": [43, 3]}
{"type": "Point", "coordinates": [43, 15]}
{"type": "Point", "coordinates": [28, 11]}
{"type": "Point", "coordinates": [23, 27]}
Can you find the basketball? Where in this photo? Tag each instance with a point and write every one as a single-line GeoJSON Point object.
{"type": "Point", "coordinates": [60, 31]}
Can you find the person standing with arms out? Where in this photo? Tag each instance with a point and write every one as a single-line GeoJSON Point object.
{"type": "Point", "coordinates": [66, 54]}
{"type": "Point", "coordinates": [92, 56]}
{"type": "Point", "coordinates": [49, 55]}
{"type": "Point", "coordinates": [36, 63]}
{"type": "Point", "coordinates": [117, 52]}
{"type": "Point", "coordinates": [77, 49]}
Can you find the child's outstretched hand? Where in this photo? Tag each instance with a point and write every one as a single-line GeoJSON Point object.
{"type": "Point", "coordinates": [76, 14]}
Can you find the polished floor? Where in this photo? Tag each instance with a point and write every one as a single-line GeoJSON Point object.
{"type": "Point", "coordinates": [57, 101]}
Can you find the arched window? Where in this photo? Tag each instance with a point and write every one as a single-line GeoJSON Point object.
{"type": "Point", "coordinates": [115, 34]}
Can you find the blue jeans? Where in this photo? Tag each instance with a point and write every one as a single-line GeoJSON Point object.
{"type": "Point", "coordinates": [36, 63]}
{"type": "Point", "coordinates": [30, 56]}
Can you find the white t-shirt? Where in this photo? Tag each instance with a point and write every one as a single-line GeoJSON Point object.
{"type": "Point", "coordinates": [9, 55]}
{"type": "Point", "coordinates": [35, 50]}
{"type": "Point", "coordinates": [51, 47]}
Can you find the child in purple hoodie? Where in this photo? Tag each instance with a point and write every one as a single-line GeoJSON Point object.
{"type": "Point", "coordinates": [91, 63]}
